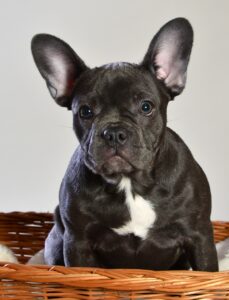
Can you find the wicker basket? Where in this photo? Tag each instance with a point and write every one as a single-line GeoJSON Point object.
{"type": "Point", "coordinates": [24, 233]}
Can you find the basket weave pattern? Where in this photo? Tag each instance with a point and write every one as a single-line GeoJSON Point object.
{"type": "Point", "coordinates": [24, 233]}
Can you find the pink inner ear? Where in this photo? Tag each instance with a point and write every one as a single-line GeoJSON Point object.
{"type": "Point", "coordinates": [164, 59]}
{"type": "Point", "coordinates": [169, 68]}
{"type": "Point", "coordinates": [161, 74]}
{"type": "Point", "coordinates": [62, 74]}
{"type": "Point", "coordinates": [163, 62]}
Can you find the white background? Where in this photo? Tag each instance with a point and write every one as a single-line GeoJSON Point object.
{"type": "Point", "coordinates": [36, 139]}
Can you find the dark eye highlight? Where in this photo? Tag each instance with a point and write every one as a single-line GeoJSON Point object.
{"type": "Point", "coordinates": [85, 112]}
{"type": "Point", "coordinates": [146, 107]}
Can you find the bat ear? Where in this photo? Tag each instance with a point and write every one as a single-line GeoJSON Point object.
{"type": "Point", "coordinates": [168, 54]}
{"type": "Point", "coordinates": [59, 65]}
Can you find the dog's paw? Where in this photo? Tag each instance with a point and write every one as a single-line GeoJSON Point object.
{"type": "Point", "coordinates": [7, 255]}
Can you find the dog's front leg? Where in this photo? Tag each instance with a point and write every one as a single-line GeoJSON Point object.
{"type": "Point", "coordinates": [53, 251]}
{"type": "Point", "coordinates": [201, 250]}
{"type": "Point", "coordinates": [78, 253]}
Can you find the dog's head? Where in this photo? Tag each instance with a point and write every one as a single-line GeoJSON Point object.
{"type": "Point", "coordinates": [119, 109]}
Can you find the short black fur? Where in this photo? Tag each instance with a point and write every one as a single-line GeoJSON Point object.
{"type": "Point", "coordinates": [118, 140]}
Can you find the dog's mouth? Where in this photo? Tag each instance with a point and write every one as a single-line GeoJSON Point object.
{"type": "Point", "coordinates": [113, 164]}
{"type": "Point", "coordinates": [116, 165]}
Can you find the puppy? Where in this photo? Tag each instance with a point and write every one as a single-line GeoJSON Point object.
{"type": "Point", "coordinates": [133, 196]}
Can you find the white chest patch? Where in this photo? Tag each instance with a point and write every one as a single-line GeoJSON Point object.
{"type": "Point", "coordinates": [142, 214]}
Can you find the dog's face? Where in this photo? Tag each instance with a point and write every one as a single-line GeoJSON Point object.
{"type": "Point", "coordinates": [119, 115]}
{"type": "Point", "coordinates": [119, 109]}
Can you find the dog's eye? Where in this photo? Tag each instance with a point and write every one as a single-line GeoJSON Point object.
{"type": "Point", "coordinates": [146, 107]}
{"type": "Point", "coordinates": [85, 112]}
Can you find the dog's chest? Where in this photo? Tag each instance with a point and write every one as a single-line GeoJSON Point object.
{"type": "Point", "coordinates": [142, 214]}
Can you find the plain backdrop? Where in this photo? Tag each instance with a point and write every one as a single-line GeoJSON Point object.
{"type": "Point", "coordinates": [36, 136]}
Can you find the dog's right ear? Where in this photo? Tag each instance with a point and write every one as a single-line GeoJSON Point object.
{"type": "Point", "coordinates": [59, 65]}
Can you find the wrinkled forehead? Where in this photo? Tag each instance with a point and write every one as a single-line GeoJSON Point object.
{"type": "Point", "coordinates": [118, 81]}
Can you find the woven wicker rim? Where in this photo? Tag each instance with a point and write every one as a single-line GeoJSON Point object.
{"type": "Point", "coordinates": [118, 279]}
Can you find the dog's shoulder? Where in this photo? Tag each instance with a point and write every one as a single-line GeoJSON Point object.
{"type": "Point", "coordinates": [177, 147]}
{"type": "Point", "coordinates": [73, 177]}
{"type": "Point", "coordinates": [178, 163]}
{"type": "Point", "coordinates": [173, 138]}
{"type": "Point", "coordinates": [75, 167]}
{"type": "Point", "coordinates": [184, 167]}
{"type": "Point", "coordinates": [79, 179]}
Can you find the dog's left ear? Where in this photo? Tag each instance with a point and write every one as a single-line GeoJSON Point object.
{"type": "Point", "coordinates": [168, 54]}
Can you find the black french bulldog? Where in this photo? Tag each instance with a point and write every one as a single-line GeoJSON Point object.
{"type": "Point", "coordinates": [133, 196]}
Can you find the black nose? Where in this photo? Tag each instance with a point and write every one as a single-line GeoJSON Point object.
{"type": "Point", "coordinates": [114, 136]}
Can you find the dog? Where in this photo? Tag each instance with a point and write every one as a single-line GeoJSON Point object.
{"type": "Point", "coordinates": [133, 196]}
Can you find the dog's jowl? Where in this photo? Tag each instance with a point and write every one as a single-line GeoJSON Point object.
{"type": "Point", "coordinates": [133, 196]}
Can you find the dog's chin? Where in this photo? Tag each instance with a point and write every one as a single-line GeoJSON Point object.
{"type": "Point", "coordinates": [116, 165]}
{"type": "Point", "coordinates": [114, 168]}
